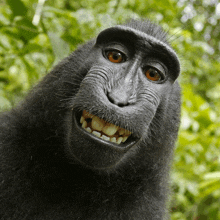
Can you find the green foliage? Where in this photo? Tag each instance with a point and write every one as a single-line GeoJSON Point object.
{"type": "Point", "coordinates": [29, 49]}
{"type": "Point", "coordinates": [197, 159]}
{"type": "Point", "coordinates": [17, 7]}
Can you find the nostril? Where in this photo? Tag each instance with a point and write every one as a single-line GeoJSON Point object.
{"type": "Point", "coordinates": [118, 99]}
{"type": "Point", "coordinates": [122, 104]}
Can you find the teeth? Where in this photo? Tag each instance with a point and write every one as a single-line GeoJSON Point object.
{"type": "Point", "coordinates": [124, 139]}
{"type": "Point", "coordinates": [110, 129]}
{"type": "Point", "coordinates": [84, 124]}
{"type": "Point", "coordinates": [113, 139]}
{"type": "Point", "coordinates": [82, 119]}
{"type": "Point", "coordinates": [119, 140]}
{"type": "Point", "coordinates": [87, 114]}
{"type": "Point", "coordinates": [105, 138]}
{"type": "Point", "coordinates": [89, 129]}
{"type": "Point", "coordinates": [96, 133]}
{"type": "Point", "coordinates": [97, 123]}
{"type": "Point", "coordinates": [102, 129]}
{"type": "Point", "coordinates": [127, 132]}
{"type": "Point", "coordinates": [121, 131]}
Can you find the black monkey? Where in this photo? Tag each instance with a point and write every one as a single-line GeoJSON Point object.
{"type": "Point", "coordinates": [94, 139]}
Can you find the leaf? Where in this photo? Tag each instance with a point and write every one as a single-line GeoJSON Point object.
{"type": "Point", "coordinates": [26, 29]}
{"type": "Point", "coordinates": [17, 7]}
{"type": "Point", "coordinates": [211, 189]}
{"type": "Point", "coordinates": [207, 183]}
{"type": "Point", "coordinates": [31, 48]}
{"type": "Point", "coordinates": [211, 183]}
{"type": "Point", "coordinates": [31, 71]}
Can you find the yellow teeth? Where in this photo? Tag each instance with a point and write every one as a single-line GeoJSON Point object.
{"type": "Point", "coordinates": [96, 133]}
{"type": "Point", "coordinates": [103, 129]}
{"type": "Point", "coordinates": [110, 129]}
{"type": "Point", "coordinates": [97, 123]}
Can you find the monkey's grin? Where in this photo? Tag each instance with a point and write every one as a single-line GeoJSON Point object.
{"type": "Point", "coordinates": [102, 129]}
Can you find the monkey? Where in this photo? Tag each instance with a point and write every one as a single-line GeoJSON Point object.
{"type": "Point", "coordinates": [94, 139]}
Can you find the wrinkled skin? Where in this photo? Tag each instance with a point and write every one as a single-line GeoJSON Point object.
{"type": "Point", "coordinates": [52, 168]}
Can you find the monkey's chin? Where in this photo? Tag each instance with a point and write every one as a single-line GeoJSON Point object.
{"type": "Point", "coordinates": [94, 152]}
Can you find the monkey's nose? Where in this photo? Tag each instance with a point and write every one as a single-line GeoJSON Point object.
{"type": "Point", "coordinates": [118, 97]}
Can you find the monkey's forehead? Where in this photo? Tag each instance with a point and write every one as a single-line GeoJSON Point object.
{"type": "Point", "coordinates": [142, 39]}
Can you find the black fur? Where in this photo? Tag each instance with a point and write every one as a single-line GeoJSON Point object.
{"type": "Point", "coordinates": [48, 170]}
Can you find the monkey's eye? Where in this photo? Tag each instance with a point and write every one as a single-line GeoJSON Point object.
{"type": "Point", "coordinates": [153, 74]}
{"type": "Point", "coordinates": [115, 56]}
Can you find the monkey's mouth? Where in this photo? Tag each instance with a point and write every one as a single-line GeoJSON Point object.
{"type": "Point", "coordinates": [104, 131]}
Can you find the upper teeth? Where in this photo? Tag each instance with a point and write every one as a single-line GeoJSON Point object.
{"type": "Point", "coordinates": [103, 129]}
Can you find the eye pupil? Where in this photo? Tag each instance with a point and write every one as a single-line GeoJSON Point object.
{"type": "Point", "coordinates": [152, 73]}
{"type": "Point", "coordinates": [116, 56]}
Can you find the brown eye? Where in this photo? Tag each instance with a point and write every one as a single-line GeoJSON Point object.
{"type": "Point", "coordinates": [153, 74]}
{"type": "Point", "coordinates": [115, 56]}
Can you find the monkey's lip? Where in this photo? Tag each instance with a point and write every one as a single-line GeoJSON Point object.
{"type": "Point", "coordinates": [123, 141]}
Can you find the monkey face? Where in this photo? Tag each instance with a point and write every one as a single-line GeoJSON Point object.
{"type": "Point", "coordinates": [129, 80]}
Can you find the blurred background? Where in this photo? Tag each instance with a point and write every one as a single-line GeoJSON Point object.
{"type": "Point", "coordinates": [36, 35]}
